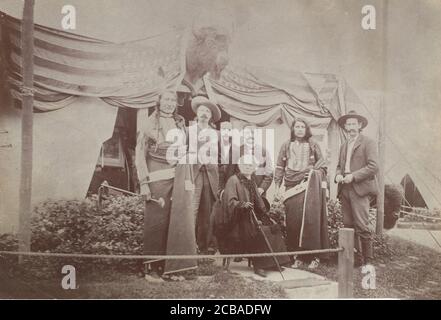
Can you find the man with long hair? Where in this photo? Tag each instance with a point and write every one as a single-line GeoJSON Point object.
{"type": "Point", "coordinates": [159, 177]}
{"type": "Point", "coordinates": [301, 165]}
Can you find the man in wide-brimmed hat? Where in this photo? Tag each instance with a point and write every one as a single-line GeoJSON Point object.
{"type": "Point", "coordinates": [205, 170]}
{"type": "Point", "coordinates": [208, 105]}
{"type": "Point", "coordinates": [356, 176]}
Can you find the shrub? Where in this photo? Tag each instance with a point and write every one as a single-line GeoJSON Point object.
{"type": "Point", "coordinates": [77, 226]}
{"type": "Point", "coordinates": [62, 226]}
{"type": "Point", "coordinates": [335, 221]}
{"type": "Point", "coordinates": [278, 214]}
{"type": "Point", "coordinates": [8, 242]}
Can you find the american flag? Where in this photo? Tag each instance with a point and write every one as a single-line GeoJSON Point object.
{"type": "Point", "coordinates": [256, 93]}
{"type": "Point", "coordinates": [67, 65]}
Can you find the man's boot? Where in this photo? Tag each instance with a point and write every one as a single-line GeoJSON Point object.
{"type": "Point", "coordinates": [260, 272]}
{"type": "Point", "coordinates": [367, 250]}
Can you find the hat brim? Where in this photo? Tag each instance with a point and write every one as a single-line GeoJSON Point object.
{"type": "Point", "coordinates": [342, 120]}
{"type": "Point", "coordinates": [215, 111]}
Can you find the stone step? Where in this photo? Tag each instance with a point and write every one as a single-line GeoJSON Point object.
{"type": "Point", "coordinates": [297, 284]}
{"type": "Point", "coordinates": [324, 291]}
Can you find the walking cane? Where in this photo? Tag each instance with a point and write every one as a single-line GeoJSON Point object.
{"type": "Point", "coordinates": [267, 243]}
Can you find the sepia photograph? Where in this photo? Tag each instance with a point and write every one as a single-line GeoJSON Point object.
{"type": "Point", "coordinates": [217, 151]}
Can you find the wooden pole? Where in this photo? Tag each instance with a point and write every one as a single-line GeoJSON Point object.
{"type": "Point", "coordinates": [382, 127]}
{"type": "Point", "coordinates": [25, 208]}
{"type": "Point", "coordinates": [346, 263]}
{"type": "Point", "coordinates": [381, 156]}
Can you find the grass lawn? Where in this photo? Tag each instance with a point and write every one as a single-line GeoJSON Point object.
{"type": "Point", "coordinates": [212, 283]}
{"type": "Point", "coordinates": [408, 271]}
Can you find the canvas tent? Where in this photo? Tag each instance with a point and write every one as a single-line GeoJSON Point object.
{"type": "Point", "coordinates": [82, 116]}
{"type": "Point", "coordinates": [401, 162]}
{"type": "Point", "coordinates": [412, 195]}
{"type": "Point", "coordinates": [271, 98]}
{"type": "Point", "coordinates": [81, 78]}
{"type": "Point", "coordinates": [79, 82]}
{"type": "Point", "coordinates": [422, 188]}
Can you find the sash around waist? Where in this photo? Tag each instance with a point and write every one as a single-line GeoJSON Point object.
{"type": "Point", "coordinates": [163, 174]}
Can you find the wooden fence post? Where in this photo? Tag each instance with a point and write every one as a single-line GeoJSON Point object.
{"type": "Point", "coordinates": [27, 116]}
{"type": "Point", "coordinates": [345, 263]}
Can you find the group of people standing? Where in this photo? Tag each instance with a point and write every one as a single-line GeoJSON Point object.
{"type": "Point", "coordinates": [221, 205]}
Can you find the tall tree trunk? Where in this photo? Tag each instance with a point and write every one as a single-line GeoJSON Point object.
{"type": "Point", "coordinates": [27, 45]}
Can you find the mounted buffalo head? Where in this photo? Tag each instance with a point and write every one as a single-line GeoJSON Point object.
{"type": "Point", "coordinates": [207, 52]}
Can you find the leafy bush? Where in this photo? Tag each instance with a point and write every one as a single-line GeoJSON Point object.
{"type": "Point", "coordinates": [278, 213]}
{"type": "Point", "coordinates": [62, 226]}
{"type": "Point", "coordinates": [335, 221]}
{"type": "Point", "coordinates": [8, 242]}
{"type": "Point", "coordinates": [77, 226]}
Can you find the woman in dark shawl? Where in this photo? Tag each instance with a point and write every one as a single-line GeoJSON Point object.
{"type": "Point", "coordinates": [243, 210]}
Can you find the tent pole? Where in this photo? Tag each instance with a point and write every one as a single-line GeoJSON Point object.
{"type": "Point", "coordinates": [381, 155]}
{"type": "Point", "coordinates": [382, 126]}
{"type": "Point", "coordinates": [25, 208]}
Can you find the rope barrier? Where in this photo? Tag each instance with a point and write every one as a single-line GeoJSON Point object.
{"type": "Point", "coordinates": [27, 91]}
{"type": "Point", "coordinates": [166, 257]}
{"type": "Point", "coordinates": [412, 208]}
{"type": "Point", "coordinates": [420, 215]}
